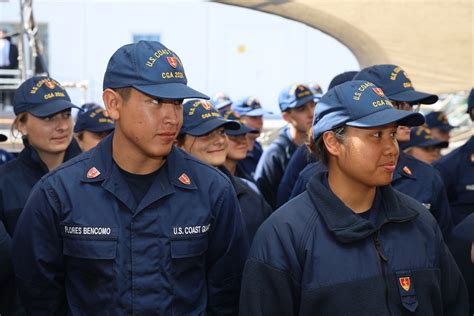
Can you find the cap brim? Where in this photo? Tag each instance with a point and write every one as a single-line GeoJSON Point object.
{"type": "Point", "coordinates": [244, 129]}
{"type": "Point", "coordinates": [413, 96]}
{"type": "Point", "coordinates": [3, 138]}
{"type": "Point", "coordinates": [303, 101]}
{"type": "Point", "coordinates": [389, 116]}
{"type": "Point", "coordinates": [51, 108]}
{"type": "Point", "coordinates": [444, 128]}
{"type": "Point", "coordinates": [211, 125]}
{"type": "Point", "coordinates": [223, 104]}
{"type": "Point", "coordinates": [98, 129]}
{"type": "Point", "coordinates": [257, 112]}
{"type": "Point", "coordinates": [429, 143]}
{"type": "Point", "coordinates": [172, 91]}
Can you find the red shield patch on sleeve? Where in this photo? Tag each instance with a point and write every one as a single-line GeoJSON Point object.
{"type": "Point", "coordinates": [405, 283]}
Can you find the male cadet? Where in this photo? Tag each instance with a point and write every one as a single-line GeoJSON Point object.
{"type": "Point", "coordinates": [251, 114]}
{"type": "Point", "coordinates": [136, 226]}
{"type": "Point", "coordinates": [457, 172]}
{"type": "Point", "coordinates": [303, 156]}
{"type": "Point", "coordinates": [439, 125]}
{"type": "Point", "coordinates": [297, 106]}
{"type": "Point", "coordinates": [412, 177]}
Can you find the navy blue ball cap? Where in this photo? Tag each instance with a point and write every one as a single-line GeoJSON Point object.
{"type": "Point", "coordinates": [249, 106]}
{"type": "Point", "coordinates": [395, 83]}
{"type": "Point", "coordinates": [95, 120]}
{"type": "Point", "coordinates": [465, 229]}
{"type": "Point", "coordinates": [294, 96]}
{"type": "Point", "coordinates": [438, 120]}
{"type": "Point", "coordinates": [201, 118]}
{"type": "Point", "coordinates": [221, 100]}
{"type": "Point", "coordinates": [421, 137]}
{"type": "Point", "coordinates": [151, 68]}
{"type": "Point", "coordinates": [359, 104]}
{"type": "Point", "coordinates": [243, 129]}
{"type": "Point", "coordinates": [470, 101]}
{"type": "Point", "coordinates": [341, 78]}
{"type": "Point", "coordinates": [41, 96]}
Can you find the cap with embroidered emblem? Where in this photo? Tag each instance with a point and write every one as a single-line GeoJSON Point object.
{"type": "Point", "coordinates": [249, 106]}
{"type": "Point", "coordinates": [359, 104]}
{"type": "Point", "coordinates": [151, 68]}
{"type": "Point", "coordinates": [421, 137]}
{"type": "Point", "coordinates": [42, 97]}
{"type": "Point", "coordinates": [294, 96]}
{"type": "Point", "coordinates": [94, 120]}
{"type": "Point", "coordinates": [201, 118]}
{"type": "Point", "coordinates": [438, 120]}
{"type": "Point", "coordinates": [395, 84]}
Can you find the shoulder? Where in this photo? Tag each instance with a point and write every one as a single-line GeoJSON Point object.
{"type": "Point", "coordinates": [288, 222]}
{"type": "Point", "coordinates": [201, 170]}
{"type": "Point", "coordinates": [421, 170]}
{"type": "Point", "coordinates": [424, 215]}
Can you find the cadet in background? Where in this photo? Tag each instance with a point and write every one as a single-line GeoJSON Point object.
{"type": "Point", "coordinates": [43, 119]}
{"type": "Point", "coordinates": [92, 125]}
{"type": "Point", "coordinates": [297, 106]}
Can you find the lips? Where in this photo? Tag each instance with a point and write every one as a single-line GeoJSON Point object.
{"type": "Point", "coordinates": [389, 167]}
{"type": "Point", "coordinates": [60, 139]}
{"type": "Point", "coordinates": [167, 135]}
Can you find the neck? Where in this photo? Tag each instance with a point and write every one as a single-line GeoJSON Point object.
{"type": "Point", "coordinates": [355, 195]}
{"type": "Point", "coordinates": [132, 159]}
{"type": "Point", "coordinates": [51, 160]}
{"type": "Point", "coordinates": [231, 165]}
{"type": "Point", "coordinates": [297, 137]}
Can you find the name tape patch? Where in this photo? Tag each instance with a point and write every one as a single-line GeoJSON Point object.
{"type": "Point", "coordinates": [72, 230]}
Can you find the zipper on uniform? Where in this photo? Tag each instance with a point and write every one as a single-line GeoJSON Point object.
{"type": "Point", "coordinates": [382, 261]}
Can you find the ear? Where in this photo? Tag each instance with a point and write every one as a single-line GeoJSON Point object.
{"type": "Point", "coordinates": [286, 116]}
{"type": "Point", "coordinates": [113, 103]}
{"type": "Point", "coordinates": [333, 146]}
{"type": "Point", "coordinates": [21, 127]}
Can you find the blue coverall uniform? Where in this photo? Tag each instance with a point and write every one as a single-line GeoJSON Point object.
{"type": "Point", "coordinates": [457, 172]}
{"type": "Point", "coordinates": [412, 177]}
{"type": "Point", "coordinates": [272, 165]}
{"type": "Point", "coordinates": [87, 246]}
{"type": "Point", "coordinates": [17, 178]}
{"type": "Point", "coordinates": [316, 256]}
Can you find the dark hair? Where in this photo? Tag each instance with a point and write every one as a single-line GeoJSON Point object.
{"type": "Point", "coordinates": [180, 139]}
{"type": "Point", "coordinates": [20, 118]}
{"type": "Point", "coordinates": [317, 146]}
{"type": "Point", "coordinates": [124, 92]}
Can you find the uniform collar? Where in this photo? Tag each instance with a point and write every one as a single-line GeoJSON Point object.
{"type": "Point", "coordinates": [343, 222]}
{"type": "Point", "coordinates": [404, 167]}
{"type": "Point", "coordinates": [101, 164]}
{"type": "Point", "coordinates": [31, 157]}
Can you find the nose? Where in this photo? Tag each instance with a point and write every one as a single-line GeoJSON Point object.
{"type": "Point", "coordinates": [391, 147]}
{"type": "Point", "coordinates": [172, 113]}
{"type": "Point", "coordinates": [63, 123]}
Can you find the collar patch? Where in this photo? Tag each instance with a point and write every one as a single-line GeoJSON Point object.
{"type": "Point", "coordinates": [184, 179]}
{"type": "Point", "coordinates": [93, 173]}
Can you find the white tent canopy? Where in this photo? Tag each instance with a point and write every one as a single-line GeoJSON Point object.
{"type": "Point", "coordinates": [431, 40]}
